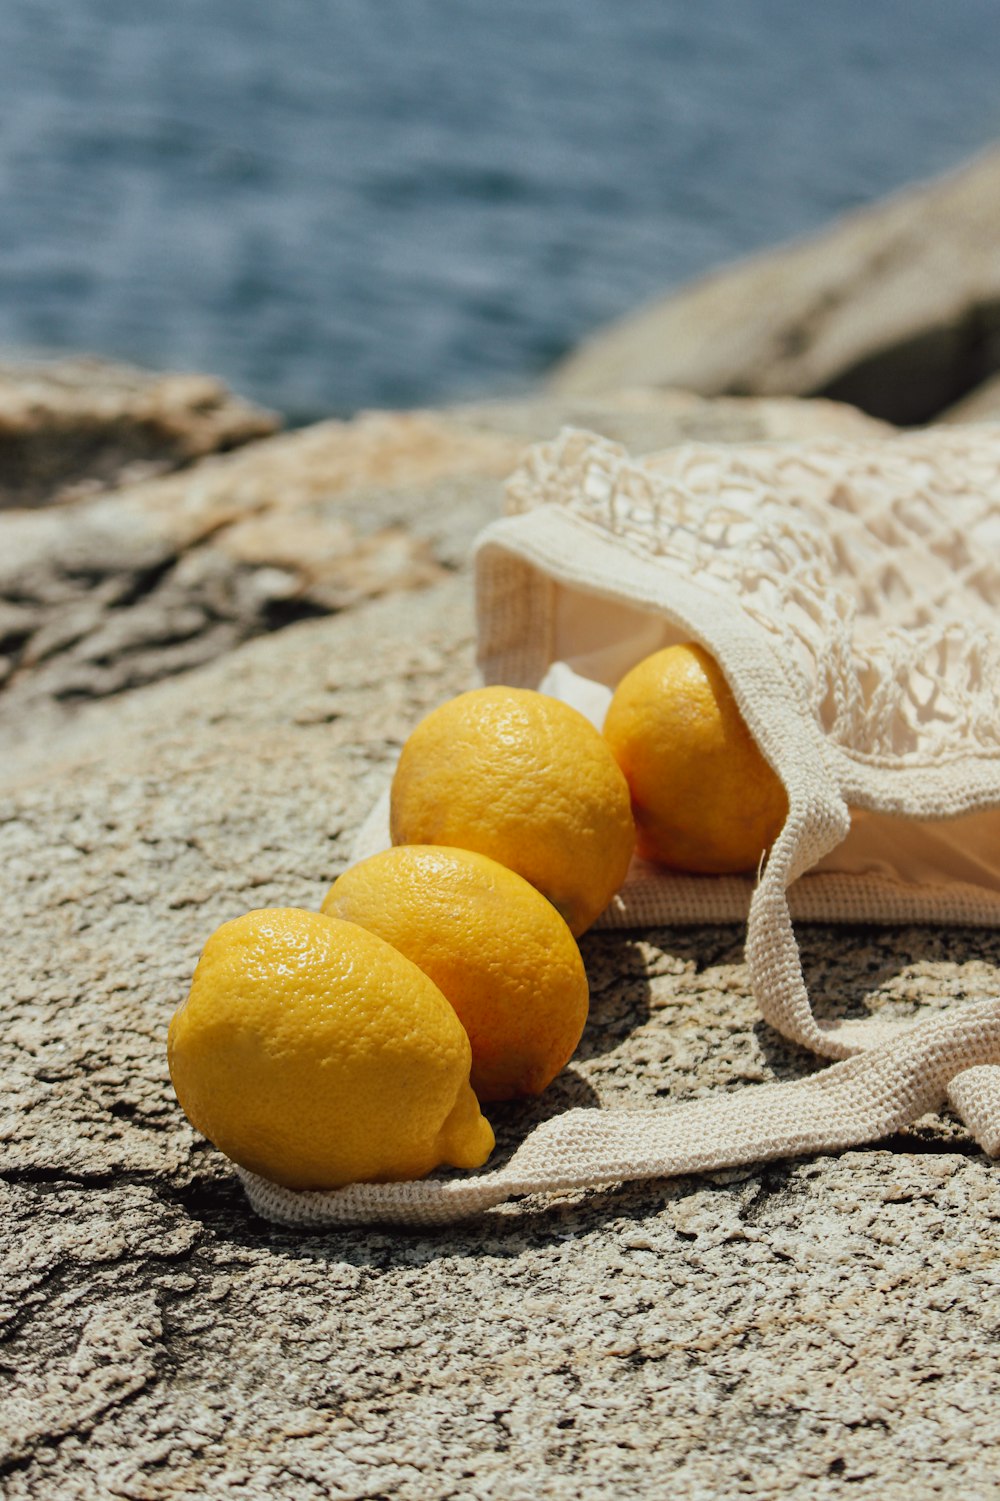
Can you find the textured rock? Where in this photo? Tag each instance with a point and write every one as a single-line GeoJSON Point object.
{"type": "Point", "coordinates": [156, 578]}
{"type": "Point", "coordinates": [825, 1328]}
{"type": "Point", "coordinates": [68, 427]}
{"type": "Point", "coordinates": [645, 419]}
{"type": "Point", "coordinates": [895, 308]}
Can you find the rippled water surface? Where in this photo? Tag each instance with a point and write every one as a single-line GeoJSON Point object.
{"type": "Point", "coordinates": [336, 203]}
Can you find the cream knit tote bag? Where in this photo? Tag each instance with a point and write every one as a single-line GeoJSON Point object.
{"type": "Point", "coordinates": [851, 593]}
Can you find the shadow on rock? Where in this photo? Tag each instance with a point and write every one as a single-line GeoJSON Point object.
{"type": "Point", "coordinates": [853, 973]}
{"type": "Point", "coordinates": [618, 973]}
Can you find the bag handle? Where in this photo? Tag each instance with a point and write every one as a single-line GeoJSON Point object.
{"type": "Point", "coordinates": [954, 1057]}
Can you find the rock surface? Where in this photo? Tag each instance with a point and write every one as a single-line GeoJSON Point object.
{"type": "Point", "coordinates": [895, 308]}
{"type": "Point", "coordinates": [814, 1329]}
{"type": "Point", "coordinates": [826, 1328]}
{"type": "Point", "coordinates": [70, 427]}
{"type": "Point", "coordinates": [156, 578]}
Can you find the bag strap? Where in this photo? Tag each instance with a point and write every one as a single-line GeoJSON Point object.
{"type": "Point", "coordinates": [954, 1058]}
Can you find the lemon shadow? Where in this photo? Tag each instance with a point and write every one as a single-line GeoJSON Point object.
{"type": "Point", "coordinates": [622, 964]}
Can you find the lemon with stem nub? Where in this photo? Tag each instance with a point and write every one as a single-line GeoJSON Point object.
{"type": "Point", "coordinates": [312, 1052]}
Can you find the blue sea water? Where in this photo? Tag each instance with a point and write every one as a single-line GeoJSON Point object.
{"type": "Point", "coordinates": [339, 203]}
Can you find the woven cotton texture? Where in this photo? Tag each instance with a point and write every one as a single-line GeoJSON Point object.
{"type": "Point", "coordinates": [851, 594]}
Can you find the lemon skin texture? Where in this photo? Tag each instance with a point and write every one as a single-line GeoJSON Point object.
{"type": "Point", "coordinates": [704, 798]}
{"type": "Point", "coordinates": [494, 946]}
{"type": "Point", "coordinates": [527, 780]}
{"type": "Point", "coordinates": [314, 1054]}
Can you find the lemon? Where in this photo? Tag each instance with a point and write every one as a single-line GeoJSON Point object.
{"type": "Point", "coordinates": [527, 780]}
{"type": "Point", "coordinates": [704, 798]}
{"type": "Point", "coordinates": [494, 946]}
{"type": "Point", "coordinates": [313, 1053]}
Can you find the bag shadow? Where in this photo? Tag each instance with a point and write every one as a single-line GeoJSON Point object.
{"type": "Point", "coordinates": [854, 972]}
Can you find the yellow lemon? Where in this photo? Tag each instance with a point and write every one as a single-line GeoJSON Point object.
{"type": "Point", "coordinates": [493, 945]}
{"type": "Point", "coordinates": [313, 1053]}
{"type": "Point", "coordinates": [527, 780]}
{"type": "Point", "coordinates": [703, 796]}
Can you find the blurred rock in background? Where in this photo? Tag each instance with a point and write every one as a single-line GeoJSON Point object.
{"type": "Point", "coordinates": [895, 309]}
{"type": "Point", "coordinates": [114, 590]}
{"type": "Point", "coordinates": [71, 427]}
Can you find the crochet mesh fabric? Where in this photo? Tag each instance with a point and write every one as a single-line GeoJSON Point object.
{"type": "Point", "coordinates": [851, 594]}
{"type": "Point", "coordinates": [878, 580]}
